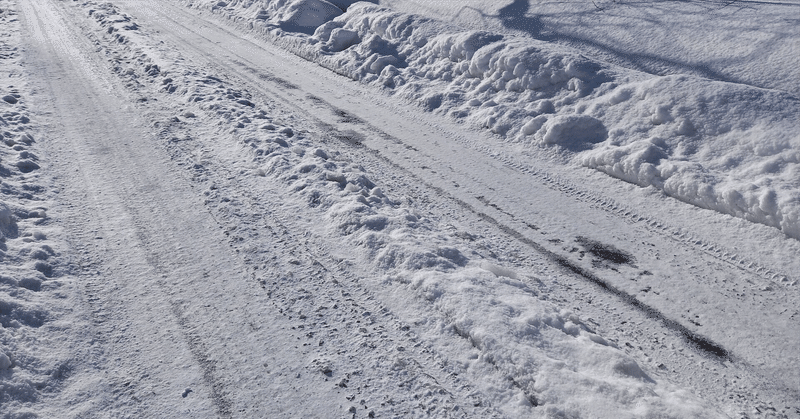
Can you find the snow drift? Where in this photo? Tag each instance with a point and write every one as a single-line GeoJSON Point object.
{"type": "Point", "coordinates": [722, 146]}
{"type": "Point", "coordinates": [555, 361]}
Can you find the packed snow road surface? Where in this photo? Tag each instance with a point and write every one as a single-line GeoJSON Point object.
{"type": "Point", "coordinates": [198, 223]}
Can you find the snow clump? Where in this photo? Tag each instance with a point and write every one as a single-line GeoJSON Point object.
{"type": "Point", "coordinates": [722, 146]}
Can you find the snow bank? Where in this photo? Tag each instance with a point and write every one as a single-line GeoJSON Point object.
{"type": "Point", "coordinates": [291, 16]}
{"type": "Point", "coordinates": [530, 355]}
{"type": "Point", "coordinates": [671, 37]}
{"type": "Point", "coordinates": [717, 145]}
{"type": "Point", "coordinates": [551, 362]}
{"type": "Point", "coordinates": [722, 146]}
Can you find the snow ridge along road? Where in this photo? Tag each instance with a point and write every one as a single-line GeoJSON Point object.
{"type": "Point", "coordinates": [723, 146]}
{"type": "Point", "coordinates": [259, 237]}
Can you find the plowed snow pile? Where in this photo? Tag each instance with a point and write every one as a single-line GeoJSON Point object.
{"type": "Point", "coordinates": [724, 146]}
{"type": "Point", "coordinates": [571, 370]}
{"type": "Point", "coordinates": [230, 253]}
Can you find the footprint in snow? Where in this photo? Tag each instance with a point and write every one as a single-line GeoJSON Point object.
{"type": "Point", "coordinates": [27, 166]}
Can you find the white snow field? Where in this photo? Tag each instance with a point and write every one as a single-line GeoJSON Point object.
{"type": "Point", "coordinates": [402, 208]}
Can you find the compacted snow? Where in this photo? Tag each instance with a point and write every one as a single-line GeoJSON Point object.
{"type": "Point", "coordinates": [310, 208]}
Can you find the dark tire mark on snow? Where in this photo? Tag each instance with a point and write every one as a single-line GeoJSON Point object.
{"type": "Point", "coordinates": [349, 137]}
{"type": "Point", "coordinates": [346, 117]}
{"type": "Point", "coordinates": [699, 342]}
{"type": "Point", "coordinates": [605, 251]}
{"type": "Point", "coordinates": [200, 353]}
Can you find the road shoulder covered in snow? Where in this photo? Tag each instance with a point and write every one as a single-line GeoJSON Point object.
{"type": "Point", "coordinates": [527, 354]}
{"type": "Point", "coordinates": [723, 146]}
{"type": "Point", "coordinates": [335, 282]}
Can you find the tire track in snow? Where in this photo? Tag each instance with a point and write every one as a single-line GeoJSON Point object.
{"type": "Point", "coordinates": [772, 276]}
{"type": "Point", "coordinates": [702, 344]}
{"type": "Point", "coordinates": [108, 215]}
{"type": "Point", "coordinates": [650, 222]}
{"type": "Point", "coordinates": [218, 390]}
{"type": "Point", "coordinates": [247, 215]}
{"type": "Point", "coordinates": [238, 222]}
{"type": "Point", "coordinates": [697, 341]}
{"type": "Point", "coordinates": [352, 139]}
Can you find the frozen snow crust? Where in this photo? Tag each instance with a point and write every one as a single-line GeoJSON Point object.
{"type": "Point", "coordinates": [723, 146]}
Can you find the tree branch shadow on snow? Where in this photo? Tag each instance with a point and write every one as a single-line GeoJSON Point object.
{"type": "Point", "coordinates": [518, 16]}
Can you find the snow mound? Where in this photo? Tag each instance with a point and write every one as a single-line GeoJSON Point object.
{"type": "Point", "coordinates": [304, 16]}
{"type": "Point", "coordinates": [574, 131]}
{"type": "Point", "coordinates": [723, 146]}
{"type": "Point", "coordinates": [561, 367]}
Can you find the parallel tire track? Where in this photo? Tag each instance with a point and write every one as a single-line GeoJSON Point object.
{"type": "Point", "coordinates": [700, 343]}
{"type": "Point", "coordinates": [557, 183]}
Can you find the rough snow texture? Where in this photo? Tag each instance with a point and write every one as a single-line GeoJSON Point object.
{"type": "Point", "coordinates": [556, 362]}
{"type": "Point", "coordinates": [534, 356]}
{"type": "Point", "coordinates": [728, 147]}
{"type": "Point", "coordinates": [31, 314]}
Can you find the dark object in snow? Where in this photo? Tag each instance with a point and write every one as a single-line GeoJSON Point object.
{"type": "Point", "coordinates": [604, 251]}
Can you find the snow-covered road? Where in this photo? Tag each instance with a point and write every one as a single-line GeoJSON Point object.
{"type": "Point", "coordinates": [244, 233]}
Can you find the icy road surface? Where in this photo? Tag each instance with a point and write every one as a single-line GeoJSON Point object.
{"type": "Point", "coordinates": [197, 223]}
